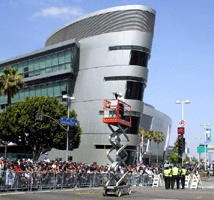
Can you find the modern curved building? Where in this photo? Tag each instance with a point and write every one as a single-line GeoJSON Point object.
{"type": "Point", "coordinates": [90, 58]}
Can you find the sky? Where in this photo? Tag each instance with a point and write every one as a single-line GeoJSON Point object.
{"type": "Point", "coordinates": [181, 63]}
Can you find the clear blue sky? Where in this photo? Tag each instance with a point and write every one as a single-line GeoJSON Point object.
{"type": "Point", "coordinates": [181, 64]}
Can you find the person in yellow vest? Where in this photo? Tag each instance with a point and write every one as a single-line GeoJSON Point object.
{"type": "Point", "coordinates": [170, 176]}
{"type": "Point", "coordinates": [183, 174]}
{"type": "Point", "coordinates": [175, 177]}
{"type": "Point", "coordinates": [166, 176]}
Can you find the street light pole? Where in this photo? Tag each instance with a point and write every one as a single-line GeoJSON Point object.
{"type": "Point", "coordinates": [71, 98]}
{"type": "Point", "coordinates": [182, 103]}
{"type": "Point", "coordinates": [205, 146]}
{"type": "Point", "coordinates": [182, 117]}
{"type": "Point", "coordinates": [198, 153]}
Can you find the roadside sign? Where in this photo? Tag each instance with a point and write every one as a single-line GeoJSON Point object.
{"type": "Point", "coordinates": [182, 122]}
{"type": "Point", "coordinates": [68, 121]}
{"type": "Point", "coordinates": [201, 149]}
{"type": "Point", "coordinates": [180, 130]}
{"type": "Point", "coordinates": [39, 116]}
{"type": "Point", "coordinates": [176, 154]}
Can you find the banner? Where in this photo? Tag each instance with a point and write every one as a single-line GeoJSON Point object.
{"type": "Point", "coordinates": [208, 135]}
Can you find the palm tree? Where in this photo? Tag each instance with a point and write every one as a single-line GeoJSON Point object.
{"type": "Point", "coordinates": [141, 132]}
{"type": "Point", "coordinates": [10, 84]}
{"type": "Point", "coordinates": [158, 139]}
{"type": "Point", "coordinates": [149, 135]}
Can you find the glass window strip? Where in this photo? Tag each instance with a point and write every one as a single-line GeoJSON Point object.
{"type": "Point", "coordinates": [130, 47]}
{"type": "Point", "coordinates": [25, 63]}
{"type": "Point", "coordinates": [125, 78]}
{"type": "Point", "coordinates": [37, 90]}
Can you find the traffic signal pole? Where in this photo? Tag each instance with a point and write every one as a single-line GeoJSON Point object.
{"type": "Point", "coordinates": [182, 120]}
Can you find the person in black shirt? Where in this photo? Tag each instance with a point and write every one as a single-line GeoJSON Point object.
{"type": "Point", "coordinates": [23, 165]}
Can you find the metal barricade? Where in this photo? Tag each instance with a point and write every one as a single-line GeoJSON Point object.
{"type": "Point", "coordinates": [37, 180]}
{"type": "Point", "coordinates": [100, 179]}
{"type": "Point", "coordinates": [135, 180]}
{"type": "Point", "coordinates": [68, 180]}
{"type": "Point", "coordinates": [85, 179]}
{"type": "Point", "coordinates": [48, 180]}
{"type": "Point", "coordinates": [12, 180]}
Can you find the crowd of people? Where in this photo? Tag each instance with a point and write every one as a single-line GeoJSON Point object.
{"type": "Point", "coordinates": [62, 166]}
{"type": "Point", "coordinates": [25, 167]}
{"type": "Point", "coordinates": [22, 173]}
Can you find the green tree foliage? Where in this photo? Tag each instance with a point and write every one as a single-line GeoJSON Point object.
{"type": "Point", "coordinates": [151, 135]}
{"type": "Point", "coordinates": [141, 132]}
{"type": "Point", "coordinates": [10, 84]}
{"type": "Point", "coordinates": [16, 125]}
{"type": "Point", "coordinates": [172, 157]}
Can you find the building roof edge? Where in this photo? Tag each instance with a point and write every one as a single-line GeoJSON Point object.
{"type": "Point", "coordinates": [113, 9]}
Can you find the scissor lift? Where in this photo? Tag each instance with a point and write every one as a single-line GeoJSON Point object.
{"type": "Point", "coordinates": [117, 113]}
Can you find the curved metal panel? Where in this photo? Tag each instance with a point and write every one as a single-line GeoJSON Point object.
{"type": "Point", "coordinates": [116, 21]}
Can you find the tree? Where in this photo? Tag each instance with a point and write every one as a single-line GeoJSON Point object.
{"type": "Point", "coordinates": [10, 84]}
{"type": "Point", "coordinates": [149, 135]}
{"type": "Point", "coordinates": [172, 157]}
{"type": "Point", "coordinates": [141, 133]}
{"type": "Point", "coordinates": [158, 138]}
{"type": "Point", "coordinates": [40, 136]}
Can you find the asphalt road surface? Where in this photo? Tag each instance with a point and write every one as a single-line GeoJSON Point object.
{"type": "Point", "coordinates": [141, 193]}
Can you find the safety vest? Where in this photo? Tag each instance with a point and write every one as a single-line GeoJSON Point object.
{"type": "Point", "coordinates": [183, 172]}
{"type": "Point", "coordinates": [175, 171]}
{"type": "Point", "coordinates": [170, 172]}
{"type": "Point", "coordinates": [166, 172]}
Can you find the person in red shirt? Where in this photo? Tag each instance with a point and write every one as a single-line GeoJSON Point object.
{"type": "Point", "coordinates": [17, 167]}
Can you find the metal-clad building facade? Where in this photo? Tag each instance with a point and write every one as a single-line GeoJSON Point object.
{"type": "Point", "coordinates": [96, 55]}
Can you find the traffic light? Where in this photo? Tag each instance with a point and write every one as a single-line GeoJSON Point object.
{"type": "Point", "coordinates": [33, 114]}
{"type": "Point", "coordinates": [70, 140]}
{"type": "Point", "coordinates": [183, 145]}
{"type": "Point", "coordinates": [180, 144]}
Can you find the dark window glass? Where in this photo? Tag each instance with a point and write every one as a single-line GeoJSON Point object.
{"type": "Point", "coordinates": [134, 90]}
{"type": "Point", "coordinates": [124, 78]}
{"type": "Point", "coordinates": [135, 126]}
{"type": "Point", "coordinates": [128, 47]}
{"type": "Point", "coordinates": [26, 74]}
{"type": "Point", "coordinates": [139, 58]}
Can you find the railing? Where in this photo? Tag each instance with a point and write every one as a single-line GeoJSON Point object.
{"type": "Point", "coordinates": [28, 181]}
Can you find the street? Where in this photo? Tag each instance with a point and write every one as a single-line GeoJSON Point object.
{"type": "Point", "coordinates": [143, 193]}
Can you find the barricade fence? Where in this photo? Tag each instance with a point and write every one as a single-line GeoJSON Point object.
{"type": "Point", "coordinates": [28, 181]}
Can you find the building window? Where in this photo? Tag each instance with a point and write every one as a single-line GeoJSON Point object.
{"type": "Point", "coordinates": [134, 90]}
{"type": "Point", "coordinates": [135, 126]}
{"type": "Point", "coordinates": [124, 78]}
{"type": "Point", "coordinates": [139, 58]}
{"type": "Point", "coordinates": [130, 47]}
{"type": "Point", "coordinates": [26, 74]}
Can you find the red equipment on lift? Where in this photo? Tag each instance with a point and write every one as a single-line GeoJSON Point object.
{"type": "Point", "coordinates": [116, 112]}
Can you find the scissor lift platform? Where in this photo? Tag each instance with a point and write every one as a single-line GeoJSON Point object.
{"type": "Point", "coordinates": [117, 113]}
